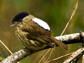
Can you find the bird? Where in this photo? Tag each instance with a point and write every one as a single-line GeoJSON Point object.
{"type": "Point", "coordinates": [34, 33]}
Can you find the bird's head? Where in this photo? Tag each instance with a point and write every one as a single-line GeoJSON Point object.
{"type": "Point", "coordinates": [18, 18]}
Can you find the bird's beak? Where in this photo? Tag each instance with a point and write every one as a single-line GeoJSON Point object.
{"type": "Point", "coordinates": [12, 25]}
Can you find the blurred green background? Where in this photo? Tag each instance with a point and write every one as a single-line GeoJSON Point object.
{"type": "Point", "coordinates": [55, 12]}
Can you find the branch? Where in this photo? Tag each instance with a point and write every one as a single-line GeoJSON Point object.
{"type": "Point", "coordinates": [70, 38]}
{"type": "Point", "coordinates": [67, 39]}
{"type": "Point", "coordinates": [74, 55]}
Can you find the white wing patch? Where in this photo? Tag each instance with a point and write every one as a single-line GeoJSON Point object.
{"type": "Point", "coordinates": [41, 23]}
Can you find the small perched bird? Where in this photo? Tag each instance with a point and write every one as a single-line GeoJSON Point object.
{"type": "Point", "coordinates": [34, 33]}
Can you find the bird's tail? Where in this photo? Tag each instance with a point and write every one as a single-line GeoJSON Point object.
{"type": "Point", "coordinates": [61, 44]}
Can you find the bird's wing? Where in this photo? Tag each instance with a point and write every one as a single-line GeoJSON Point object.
{"type": "Point", "coordinates": [36, 32]}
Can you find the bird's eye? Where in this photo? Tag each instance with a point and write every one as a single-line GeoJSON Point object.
{"type": "Point", "coordinates": [20, 19]}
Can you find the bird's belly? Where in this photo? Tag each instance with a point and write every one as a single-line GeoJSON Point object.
{"type": "Point", "coordinates": [29, 43]}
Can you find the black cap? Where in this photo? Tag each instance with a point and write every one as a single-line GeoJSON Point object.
{"type": "Point", "coordinates": [18, 17]}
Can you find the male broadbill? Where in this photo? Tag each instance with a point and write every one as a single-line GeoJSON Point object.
{"type": "Point", "coordinates": [34, 33]}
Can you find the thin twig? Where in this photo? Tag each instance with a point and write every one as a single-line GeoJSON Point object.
{"type": "Point", "coordinates": [6, 47]}
{"type": "Point", "coordinates": [59, 57]}
{"type": "Point", "coordinates": [50, 54]}
{"type": "Point", "coordinates": [44, 55]}
{"type": "Point", "coordinates": [73, 13]}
